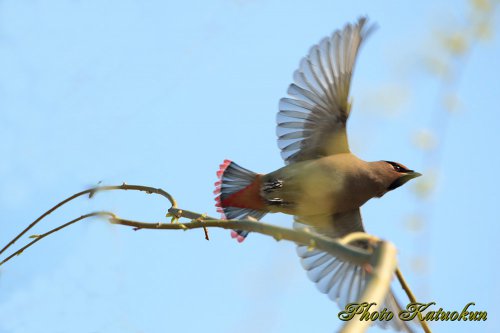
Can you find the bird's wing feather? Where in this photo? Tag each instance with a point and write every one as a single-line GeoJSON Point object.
{"type": "Point", "coordinates": [342, 281]}
{"type": "Point", "coordinates": [311, 123]}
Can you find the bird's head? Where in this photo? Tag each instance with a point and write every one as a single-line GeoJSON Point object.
{"type": "Point", "coordinates": [393, 175]}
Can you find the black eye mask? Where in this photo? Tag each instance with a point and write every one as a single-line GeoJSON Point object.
{"type": "Point", "coordinates": [398, 168]}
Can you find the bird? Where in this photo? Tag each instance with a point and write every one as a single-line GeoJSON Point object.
{"type": "Point", "coordinates": [323, 184]}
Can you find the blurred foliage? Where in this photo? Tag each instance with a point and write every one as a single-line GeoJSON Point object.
{"type": "Point", "coordinates": [451, 102]}
{"type": "Point", "coordinates": [415, 223]}
{"type": "Point", "coordinates": [424, 139]}
{"type": "Point", "coordinates": [423, 188]}
{"type": "Point", "coordinates": [452, 46]}
{"type": "Point", "coordinates": [456, 40]}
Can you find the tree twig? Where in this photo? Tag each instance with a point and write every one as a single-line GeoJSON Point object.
{"type": "Point", "coordinates": [345, 252]}
{"type": "Point", "coordinates": [40, 237]}
{"type": "Point", "coordinates": [412, 298]}
{"type": "Point", "coordinates": [91, 192]}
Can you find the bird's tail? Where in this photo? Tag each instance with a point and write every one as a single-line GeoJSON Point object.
{"type": "Point", "coordinates": [238, 195]}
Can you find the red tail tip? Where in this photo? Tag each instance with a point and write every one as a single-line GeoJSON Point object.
{"type": "Point", "coordinates": [218, 186]}
{"type": "Point", "coordinates": [238, 237]}
{"type": "Point", "coordinates": [222, 168]}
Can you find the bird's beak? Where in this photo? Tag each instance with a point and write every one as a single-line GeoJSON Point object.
{"type": "Point", "coordinates": [412, 174]}
{"type": "Point", "coordinates": [408, 176]}
{"type": "Point", "coordinates": [403, 179]}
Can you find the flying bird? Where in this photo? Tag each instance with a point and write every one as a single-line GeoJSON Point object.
{"type": "Point", "coordinates": [323, 183]}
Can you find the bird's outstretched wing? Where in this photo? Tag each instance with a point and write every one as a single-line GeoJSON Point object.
{"type": "Point", "coordinates": [312, 122]}
{"type": "Point", "coordinates": [342, 281]}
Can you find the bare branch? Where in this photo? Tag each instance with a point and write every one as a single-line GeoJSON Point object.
{"type": "Point", "coordinates": [381, 257]}
{"type": "Point", "coordinates": [91, 192]}
{"type": "Point", "coordinates": [313, 240]}
{"type": "Point", "coordinates": [410, 295]}
{"type": "Point", "coordinates": [384, 263]}
{"type": "Point", "coordinates": [40, 237]}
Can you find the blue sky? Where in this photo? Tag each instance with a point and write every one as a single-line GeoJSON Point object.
{"type": "Point", "coordinates": [159, 93]}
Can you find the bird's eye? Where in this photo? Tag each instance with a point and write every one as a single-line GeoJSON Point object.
{"type": "Point", "coordinates": [398, 168]}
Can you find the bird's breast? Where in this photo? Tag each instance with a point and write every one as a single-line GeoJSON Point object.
{"type": "Point", "coordinates": [323, 186]}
